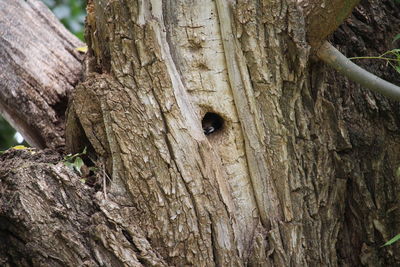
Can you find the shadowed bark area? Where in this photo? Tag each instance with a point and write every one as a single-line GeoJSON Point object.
{"type": "Point", "coordinates": [369, 166]}
{"type": "Point", "coordinates": [39, 67]}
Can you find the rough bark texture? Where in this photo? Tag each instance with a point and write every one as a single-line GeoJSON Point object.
{"type": "Point", "coordinates": [324, 16]}
{"type": "Point", "coordinates": [369, 162]}
{"type": "Point", "coordinates": [302, 173]}
{"type": "Point", "coordinates": [39, 67]}
{"type": "Point", "coordinates": [49, 217]}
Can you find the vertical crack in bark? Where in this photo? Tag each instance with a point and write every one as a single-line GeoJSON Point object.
{"type": "Point", "coordinates": [253, 132]}
{"type": "Point", "coordinates": [176, 167]}
{"type": "Point", "coordinates": [214, 247]}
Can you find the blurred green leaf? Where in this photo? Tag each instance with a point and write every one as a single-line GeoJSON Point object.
{"type": "Point", "coordinates": [391, 241]}
{"type": "Point", "coordinates": [397, 68]}
{"type": "Point", "coordinates": [78, 163]}
{"type": "Point", "coordinates": [397, 37]}
{"type": "Point", "coordinates": [75, 161]}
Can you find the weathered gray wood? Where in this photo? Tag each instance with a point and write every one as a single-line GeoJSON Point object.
{"type": "Point", "coordinates": [39, 67]}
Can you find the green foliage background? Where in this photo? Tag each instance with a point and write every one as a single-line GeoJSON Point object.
{"type": "Point", "coordinates": [72, 14]}
{"type": "Point", "coordinates": [7, 134]}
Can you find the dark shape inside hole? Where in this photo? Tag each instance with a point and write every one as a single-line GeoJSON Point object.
{"type": "Point", "coordinates": [212, 123]}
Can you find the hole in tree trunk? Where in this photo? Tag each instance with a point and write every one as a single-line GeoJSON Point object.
{"type": "Point", "coordinates": [212, 123]}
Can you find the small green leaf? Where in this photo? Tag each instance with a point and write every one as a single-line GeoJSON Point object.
{"type": "Point", "coordinates": [391, 241]}
{"type": "Point", "coordinates": [67, 157]}
{"type": "Point", "coordinates": [397, 68]}
{"type": "Point", "coordinates": [78, 163]}
{"type": "Point", "coordinates": [75, 161]}
{"type": "Point", "coordinates": [397, 37]}
{"type": "Point", "coordinates": [93, 169]}
{"type": "Point", "coordinates": [68, 164]}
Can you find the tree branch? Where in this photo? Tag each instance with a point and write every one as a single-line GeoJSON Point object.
{"type": "Point", "coordinates": [331, 56]}
{"type": "Point", "coordinates": [324, 17]}
{"type": "Point", "coordinates": [39, 66]}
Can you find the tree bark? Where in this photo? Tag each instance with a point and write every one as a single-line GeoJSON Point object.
{"type": "Point", "coordinates": [39, 67]}
{"type": "Point", "coordinates": [300, 173]}
{"type": "Point", "coordinates": [370, 165]}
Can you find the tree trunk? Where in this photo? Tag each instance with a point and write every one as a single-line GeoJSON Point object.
{"type": "Point", "coordinates": [227, 143]}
